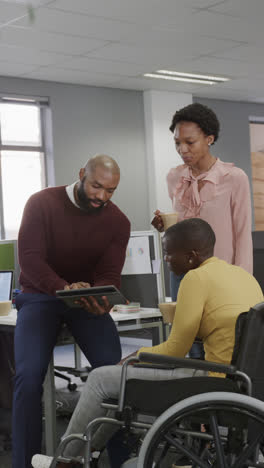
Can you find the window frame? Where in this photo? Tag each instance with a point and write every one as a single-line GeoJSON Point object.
{"type": "Point", "coordinates": [45, 147]}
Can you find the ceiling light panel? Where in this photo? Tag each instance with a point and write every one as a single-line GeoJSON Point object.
{"type": "Point", "coordinates": [177, 78]}
{"type": "Point", "coordinates": [217, 79]}
{"type": "Point", "coordinates": [186, 77]}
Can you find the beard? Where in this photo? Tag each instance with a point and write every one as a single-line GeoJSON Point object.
{"type": "Point", "coordinates": [84, 202]}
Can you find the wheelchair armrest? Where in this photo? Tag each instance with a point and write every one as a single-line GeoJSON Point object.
{"type": "Point", "coordinates": [148, 365]}
{"type": "Point", "coordinates": [174, 362]}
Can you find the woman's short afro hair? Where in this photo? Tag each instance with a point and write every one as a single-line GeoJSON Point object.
{"type": "Point", "coordinates": [204, 117]}
{"type": "Point", "coordinates": [192, 234]}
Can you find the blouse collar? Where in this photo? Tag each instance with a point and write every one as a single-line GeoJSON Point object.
{"type": "Point", "coordinates": [213, 175]}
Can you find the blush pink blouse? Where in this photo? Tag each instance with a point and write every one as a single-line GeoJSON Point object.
{"type": "Point", "coordinates": [223, 201]}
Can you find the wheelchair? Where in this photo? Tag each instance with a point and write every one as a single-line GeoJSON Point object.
{"type": "Point", "coordinates": [199, 422]}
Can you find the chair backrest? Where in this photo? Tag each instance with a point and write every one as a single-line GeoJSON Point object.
{"type": "Point", "coordinates": [249, 347]}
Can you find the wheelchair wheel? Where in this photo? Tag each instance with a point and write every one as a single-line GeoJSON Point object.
{"type": "Point", "coordinates": [210, 430]}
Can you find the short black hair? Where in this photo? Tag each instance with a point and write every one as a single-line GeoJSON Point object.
{"type": "Point", "coordinates": [192, 234]}
{"type": "Point", "coordinates": [202, 115]}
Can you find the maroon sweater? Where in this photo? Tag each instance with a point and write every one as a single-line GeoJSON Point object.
{"type": "Point", "coordinates": [60, 244]}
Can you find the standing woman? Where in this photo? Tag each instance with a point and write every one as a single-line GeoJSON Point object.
{"type": "Point", "coordinates": [206, 187]}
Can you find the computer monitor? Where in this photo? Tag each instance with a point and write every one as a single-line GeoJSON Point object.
{"type": "Point", "coordinates": [6, 285]}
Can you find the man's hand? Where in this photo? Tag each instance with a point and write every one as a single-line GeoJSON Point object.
{"type": "Point", "coordinates": [157, 221]}
{"type": "Point", "coordinates": [79, 285]}
{"type": "Point", "coordinates": [91, 304]}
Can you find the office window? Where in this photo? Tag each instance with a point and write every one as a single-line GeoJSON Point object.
{"type": "Point", "coordinates": [22, 160]}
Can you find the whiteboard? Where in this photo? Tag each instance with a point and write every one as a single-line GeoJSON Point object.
{"type": "Point", "coordinates": [137, 260]}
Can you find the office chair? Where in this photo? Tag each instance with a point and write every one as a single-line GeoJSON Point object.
{"type": "Point", "coordinates": [199, 421]}
{"type": "Point", "coordinates": [65, 338]}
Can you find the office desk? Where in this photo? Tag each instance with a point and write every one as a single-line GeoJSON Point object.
{"type": "Point", "coordinates": [6, 362]}
{"type": "Point", "coordinates": [147, 318]}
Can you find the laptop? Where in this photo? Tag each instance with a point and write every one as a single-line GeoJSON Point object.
{"type": "Point", "coordinates": [6, 285]}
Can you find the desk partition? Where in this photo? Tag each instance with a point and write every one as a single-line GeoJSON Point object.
{"type": "Point", "coordinates": [9, 258]}
{"type": "Point", "coordinates": [144, 284]}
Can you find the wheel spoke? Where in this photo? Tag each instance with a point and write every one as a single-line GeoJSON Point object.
{"type": "Point", "coordinates": [246, 453]}
{"type": "Point", "coordinates": [217, 439]}
{"type": "Point", "coordinates": [187, 451]}
{"type": "Point", "coordinates": [162, 454]}
{"type": "Point", "coordinates": [234, 433]}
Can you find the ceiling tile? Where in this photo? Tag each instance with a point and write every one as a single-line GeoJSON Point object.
{"type": "Point", "coordinates": [143, 12]}
{"type": "Point", "coordinates": [158, 56]}
{"type": "Point", "coordinates": [114, 30]}
{"type": "Point", "coordinates": [34, 3]}
{"type": "Point", "coordinates": [245, 53]}
{"type": "Point", "coordinates": [137, 11]}
{"type": "Point", "coordinates": [250, 10]}
{"type": "Point", "coordinates": [107, 28]}
{"type": "Point", "coordinates": [76, 24]}
{"type": "Point", "coordinates": [15, 69]}
{"type": "Point", "coordinates": [132, 54]}
{"type": "Point", "coordinates": [72, 76]}
{"type": "Point", "coordinates": [104, 66]}
{"type": "Point", "coordinates": [48, 41]}
{"type": "Point", "coordinates": [15, 54]}
{"type": "Point", "coordinates": [200, 45]}
{"type": "Point", "coordinates": [211, 24]}
{"type": "Point", "coordinates": [11, 12]}
{"type": "Point", "coordinates": [223, 66]}
{"type": "Point", "coordinates": [202, 3]}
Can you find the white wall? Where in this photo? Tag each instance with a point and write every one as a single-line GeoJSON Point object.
{"type": "Point", "coordinates": [88, 120]}
{"type": "Point", "coordinates": [159, 107]}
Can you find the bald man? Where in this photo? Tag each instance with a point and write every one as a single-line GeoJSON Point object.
{"type": "Point", "coordinates": [70, 237]}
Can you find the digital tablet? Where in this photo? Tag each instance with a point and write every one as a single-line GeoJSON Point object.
{"type": "Point", "coordinates": [113, 295]}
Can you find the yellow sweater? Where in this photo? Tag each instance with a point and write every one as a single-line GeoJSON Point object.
{"type": "Point", "coordinates": [209, 301]}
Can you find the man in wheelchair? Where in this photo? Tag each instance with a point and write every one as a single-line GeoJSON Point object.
{"type": "Point", "coordinates": [212, 295]}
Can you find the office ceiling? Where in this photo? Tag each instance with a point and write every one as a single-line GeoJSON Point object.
{"type": "Point", "coordinates": [113, 42]}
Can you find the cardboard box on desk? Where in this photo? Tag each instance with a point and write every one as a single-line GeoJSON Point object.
{"type": "Point", "coordinates": [5, 307]}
